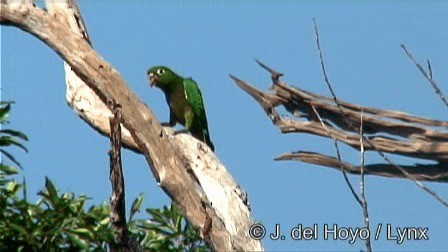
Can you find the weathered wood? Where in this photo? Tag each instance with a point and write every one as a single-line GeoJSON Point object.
{"type": "Point", "coordinates": [117, 198]}
{"type": "Point", "coordinates": [428, 172]}
{"type": "Point", "coordinates": [388, 131]}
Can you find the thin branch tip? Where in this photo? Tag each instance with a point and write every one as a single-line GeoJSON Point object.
{"type": "Point", "coordinates": [274, 74]}
{"type": "Point", "coordinates": [428, 76]}
{"type": "Point", "coordinates": [234, 78]}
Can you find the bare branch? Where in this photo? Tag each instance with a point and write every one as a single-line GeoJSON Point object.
{"type": "Point", "coordinates": [420, 140]}
{"type": "Point", "coordinates": [274, 74]}
{"type": "Point", "coordinates": [322, 65]}
{"type": "Point", "coordinates": [79, 96]}
{"type": "Point", "coordinates": [427, 144]}
{"type": "Point", "coordinates": [429, 69]}
{"type": "Point", "coordinates": [362, 188]}
{"type": "Point", "coordinates": [433, 83]}
{"type": "Point", "coordinates": [350, 126]}
{"type": "Point", "coordinates": [338, 154]}
{"type": "Point", "coordinates": [117, 199]}
{"type": "Point", "coordinates": [428, 172]}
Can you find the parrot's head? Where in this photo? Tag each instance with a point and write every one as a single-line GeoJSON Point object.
{"type": "Point", "coordinates": [161, 76]}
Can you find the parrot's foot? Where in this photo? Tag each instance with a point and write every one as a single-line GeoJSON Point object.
{"type": "Point", "coordinates": [201, 147]}
{"type": "Point", "coordinates": [167, 124]}
{"type": "Point", "coordinates": [180, 131]}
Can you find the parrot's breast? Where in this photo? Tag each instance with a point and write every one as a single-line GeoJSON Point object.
{"type": "Point", "coordinates": [178, 105]}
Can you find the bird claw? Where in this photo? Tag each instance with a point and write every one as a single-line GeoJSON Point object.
{"type": "Point", "coordinates": [202, 147]}
{"type": "Point", "coordinates": [167, 124]}
{"type": "Point", "coordinates": [179, 132]}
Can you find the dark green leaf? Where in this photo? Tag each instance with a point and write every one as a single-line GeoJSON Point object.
{"type": "Point", "coordinates": [24, 189]}
{"type": "Point", "coordinates": [10, 157]}
{"type": "Point", "coordinates": [178, 224]}
{"type": "Point", "coordinates": [8, 141]}
{"type": "Point", "coordinates": [52, 193]}
{"type": "Point", "coordinates": [136, 206]}
{"type": "Point", "coordinates": [77, 241]}
{"type": "Point", "coordinates": [4, 112]}
{"type": "Point", "coordinates": [15, 134]}
{"type": "Point", "coordinates": [83, 232]}
{"type": "Point", "coordinates": [18, 228]}
{"type": "Point", "coordinates": [8, 170]}
{"type": "Point", "coordinates": [157, 216]}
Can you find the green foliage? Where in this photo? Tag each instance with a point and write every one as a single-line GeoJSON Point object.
{"type": "Point", "coordinates": [9, 137]}
{"type": "Point", "coordinates": [55, 222]}
{"type": "Point", "coordinates": [166, 230]}
{"type": "Point", "coordinates": [60, 222]}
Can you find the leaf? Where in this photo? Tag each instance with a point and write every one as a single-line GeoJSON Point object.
{"type": "Point", "coordinates": [178, 224]}
{"type": "Point", "coordinates": [12, 187]}
{"type": "Point", "coordinates": [8, 141]}
{"type": "Point", "coordinates": [4, 112]}
{"type": "Point", "coordinates": [83, 232]}
{"type": "Point", "coordinates": [76, 240]}
{"type": "Point", "coordinates": [11, 157]}
{"type": "Point", "coordinates": [52, 193]}
{"type": "Point", "coordinates": [6, 102]}
{"type": "Point", "coordinates": [19, 229]}
{"type": "Point", "coordinates": [105, 221]}
{"type": "Point", "coordinates": [24, 189]}
{"type": "Point", "coordinates": [14, 133]}
{"type": "Point", "coordinates": [136, 206]}
{"type": "Point", "coordinates": [8, 170]}
{"type": "Point", "coordinates": [156, 215]}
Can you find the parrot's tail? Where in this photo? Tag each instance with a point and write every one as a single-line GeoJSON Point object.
{"type": "Point", "coordinates": [209, 143]}
{"type": "Point", "coordinates": [205, 137]}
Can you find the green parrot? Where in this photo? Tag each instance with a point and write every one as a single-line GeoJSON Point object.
{"type": "Point", "coordinates": [185, 101]}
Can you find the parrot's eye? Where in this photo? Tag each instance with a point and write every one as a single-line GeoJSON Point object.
{"type": "Point", "coordinates": [160, 71]}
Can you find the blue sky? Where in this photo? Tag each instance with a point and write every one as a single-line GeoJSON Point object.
{"type": "Point", "coordinates": [208, 41]}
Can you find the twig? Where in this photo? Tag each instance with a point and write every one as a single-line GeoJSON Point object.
{"type": "Point", "coordinates": [117, 199]}
{"type": "Point", "coordinates": [421, 185]}
{"type": "Point", "coordinates": [362, 188]}
{"type": "Point", "coordinates": [408, 175]}
{"type": "Point", "coordinates": [339, 157]}
{"type": "Point", "coordinates": [337, 103]}
{"type": "Point", "coordinates": [275, 76]}
{"type": "Point", "coordinates": [322, 65]}
{"type": "Point", "coordinates": [434, 85]}
{"type": "Point", "coordinates": [429, 69]}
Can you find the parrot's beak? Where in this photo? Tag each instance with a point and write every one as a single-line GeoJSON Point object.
{"type": "Point", "coordinates": [152, 79]}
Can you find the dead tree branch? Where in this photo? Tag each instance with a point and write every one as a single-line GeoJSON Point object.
{"type": "Point", "coordinates": [117, 199]}
{"type": "Point", "coordinates": [170, 158]}
{"type": "Point", "coordinates": [354, 129]}
{"type": "Point", "coordinates": [422, 172]}
{"type": "Point", "coordinates": [390, 131]}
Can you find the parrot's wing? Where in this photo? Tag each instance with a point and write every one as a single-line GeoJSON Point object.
{"type": "Point", "coordinates": [194, 98]}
